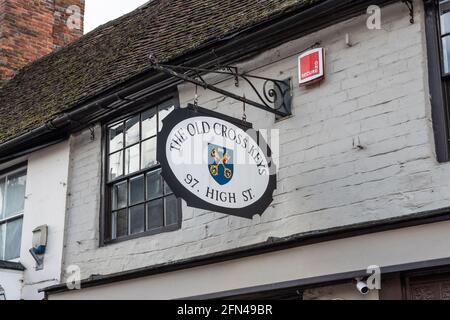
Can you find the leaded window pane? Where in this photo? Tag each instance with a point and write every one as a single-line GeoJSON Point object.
{"type": "Point", "coordinates": [155, 214]}
{"type": "Point", "coordinates": [132, 159]}
{"type": "Point", "coordinates": [115, 165]}
{"type": "Point", "coordinates": [140, 199]}
{"type": "Point", "coordinates": [2, 196]}
{"type": "Point", "coordinates": [2, 241]}
{"type": "Point", "coordinates": [116, 137]}
{"type": "Point", "coordinates": [13, 239]}
{"type": "Point", "coordinates": [132, 133]}
{"type": "Point", "coordinates": [171, 210]}
{"type": "Point", "coordinates": [149, 153]}
{"type": "Point", "coordinates": [149, 124]}
{"type": "Point", "coordinates": [446, 53]}
{"type": "Point", "coordinates": [154, 185]}
{"type": "Point", "coordinates": [121, 223]}
{"type": "Point", "coordinates": [444, 7]}
{"type": "Point", "coordinates": [119, 196]}
{"type": "Point", "coordinates": [12, 204]}
{"type": "Point", "coordinates": [163, 113]}
{"type": "Point", "coordinates": [137, 190]}
{"type": "Point", "coordinates": [137, 219]}
{"type": "Point", "coordinates": [15, 194]}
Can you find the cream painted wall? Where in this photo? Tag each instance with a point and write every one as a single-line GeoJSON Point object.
{"type": "Point", "coordinates": [390, 248]}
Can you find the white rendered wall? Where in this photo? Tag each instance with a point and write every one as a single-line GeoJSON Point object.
{"type": "Point", "coordinates": [383, 249]}
{"type": "Point", "coordinates": [45, 204]}
{"type": "Point", "coordinates": [11, 282]}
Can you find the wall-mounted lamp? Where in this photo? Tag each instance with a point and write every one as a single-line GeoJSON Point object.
{"type": "Point", "coordinates": [40, 235]}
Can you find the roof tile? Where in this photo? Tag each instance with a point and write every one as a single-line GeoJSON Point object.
{"type": "Point", "coordinates": [119, 50]}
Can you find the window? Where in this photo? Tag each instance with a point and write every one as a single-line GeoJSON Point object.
{"type": "Point", "coordinates": [444, 17]}
{"type": "Point", "coordinates": [437, 23]}
{"type": "Point", "coordinates": [12, 200]}
{"type": "Point", "coordinates": [139, 202]}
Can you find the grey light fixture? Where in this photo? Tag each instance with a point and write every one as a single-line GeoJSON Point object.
{"type": "Point", "coordinates": [40, 235]}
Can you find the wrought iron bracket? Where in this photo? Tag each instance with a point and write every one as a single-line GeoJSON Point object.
{"type": "Point", "coordinates": [410, 5]}
{"type": "Point", "coordinates": [92, 131]}
{"type": "Point", "coordinates": [275, 96]}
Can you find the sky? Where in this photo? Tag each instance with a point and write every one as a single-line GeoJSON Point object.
{"type": "Point", "coordinates": [99, 12]}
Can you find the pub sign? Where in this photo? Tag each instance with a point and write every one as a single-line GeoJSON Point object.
{"type": "Point", "coordinates": [216, 162]}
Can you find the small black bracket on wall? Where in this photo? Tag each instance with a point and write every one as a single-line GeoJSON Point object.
{"type": "Point", "coordinates": [274, 96]}
{"type": "Point", "coordinates": [92, 131]}
{"type": "Point", "coordinates": [39, 260]}
{"type": "Point", "coordinates": [410, 5]}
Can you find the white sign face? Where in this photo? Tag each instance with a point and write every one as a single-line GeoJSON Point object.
{"type": "Point", "coordinates": [215, 164]}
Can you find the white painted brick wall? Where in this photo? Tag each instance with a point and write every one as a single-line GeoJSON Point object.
{"type": "Point", "coordinates": [375, 94]}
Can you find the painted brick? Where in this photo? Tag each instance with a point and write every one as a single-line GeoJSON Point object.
{"type": "Point", "coordinates": [374, 94]}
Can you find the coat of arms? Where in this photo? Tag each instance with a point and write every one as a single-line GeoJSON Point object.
{"type": "Point", "coordinates": [220, 163]}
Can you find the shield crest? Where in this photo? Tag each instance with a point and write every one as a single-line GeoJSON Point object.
{"type": "Point", "coordinates": [220, 163]}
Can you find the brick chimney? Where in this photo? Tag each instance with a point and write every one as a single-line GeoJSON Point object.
{"type": "Point", "coordinates": [30, 29]}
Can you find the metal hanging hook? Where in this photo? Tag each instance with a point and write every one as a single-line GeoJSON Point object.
{"type": "Point", "coordinates": [244, 115]}
{"type": "Point", "coordinates": [196, 97]}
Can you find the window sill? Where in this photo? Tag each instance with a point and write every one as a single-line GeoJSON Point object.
{"type": "Point", "coordinates": [149, 233]}
{"type": "Point", "coordinates": [8, 265]}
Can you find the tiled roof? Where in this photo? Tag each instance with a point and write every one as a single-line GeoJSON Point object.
{"type": "Point", "coordinates": [119, 50]}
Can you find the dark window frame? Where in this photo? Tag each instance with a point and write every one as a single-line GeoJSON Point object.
{"type": "Point", "coordinates": [439, 83]}
{"type": "Point", "coordinates": [170, 98]}
{"type": "Point", "coordinates": [15, 169]}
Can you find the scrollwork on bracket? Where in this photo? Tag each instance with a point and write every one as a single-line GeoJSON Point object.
{"type": "Point", "coordinates": [276, 99]}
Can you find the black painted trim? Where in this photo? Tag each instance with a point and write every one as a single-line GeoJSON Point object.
{"type": "Point", "coordinates": [30, 150]}
{"type": "Point", "coordinates": [21, 165]}
{"type": "Point", "coordinates": [439, 104]}
{"type": "Point", "coordinates": [271, 245]}
{"type": "Point", "coordinates": [16, 266]}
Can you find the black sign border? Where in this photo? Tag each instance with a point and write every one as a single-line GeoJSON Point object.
{"type": "Point", "coordinates": [181, 114]}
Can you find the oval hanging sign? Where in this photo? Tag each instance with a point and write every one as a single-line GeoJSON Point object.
{"type": "Point", "coordinates": [215, 162]}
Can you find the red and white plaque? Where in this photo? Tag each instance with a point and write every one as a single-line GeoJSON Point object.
{"type": "Point", "coordinates": [311, 66]}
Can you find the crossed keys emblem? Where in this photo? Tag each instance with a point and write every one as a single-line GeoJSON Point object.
{"type": "Point", "coordinates": [220, 161]}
